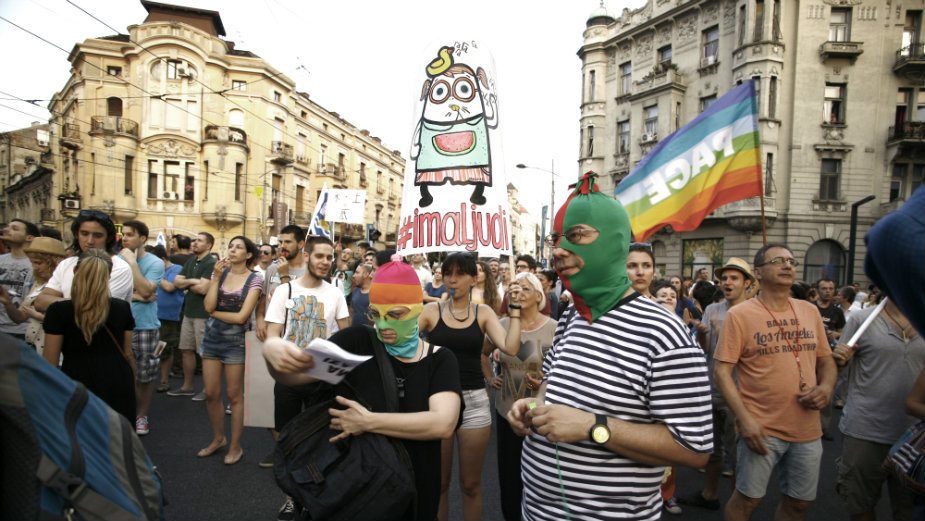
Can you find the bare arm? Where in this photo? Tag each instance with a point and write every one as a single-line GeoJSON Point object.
{"type": "Point", "coordinates": [127, 347]}
{"type": "Point", "coordinates": [143, 287]}
{"type": "Point", "coordinates": [201, 287]}
{"type": "Point", "coordinates": [508, 341]}
{"type": "Point", "coordinates": [915, 403]}
{"type": "Point", "coordinates": [437, 422]}
{"type": "Point", "coordinates": [343, 323]}
{"type": "Point", "coordinates": [46, 298]}
{"type": "Point", "coordinates": [12, 310]}
{"type": "Point", "coordinates": [750, 430]}
{"type": "Point", "coordinates": [242, 316]}
{"type": "Point", "coordinates": [52, 351]}
{"type": "Point", "coordinates": [183, 283]}
{"type": "Point", "coordinates": [286, 362]}
{"type": "Point", "coordinates": [168, 286]}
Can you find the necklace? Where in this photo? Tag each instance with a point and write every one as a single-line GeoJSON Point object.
{"type": "Point", "coordinates": [400, 380]}
{"type": "Point", "coordinates": [468, 309]}
{"type": "Point", "coordinates": [902, 329]}
{"type": "Point", "coordinates": [796, 338]}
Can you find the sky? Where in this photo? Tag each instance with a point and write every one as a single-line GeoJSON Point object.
{"type": "Point", "coordinates": [360, 59]}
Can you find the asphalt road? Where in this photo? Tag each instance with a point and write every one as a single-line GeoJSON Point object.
{"type": "Point", "coordinates": [207, 490]}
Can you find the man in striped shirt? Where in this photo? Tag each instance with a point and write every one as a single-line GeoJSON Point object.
{"type": "Point", "coordinates": [625, 390]}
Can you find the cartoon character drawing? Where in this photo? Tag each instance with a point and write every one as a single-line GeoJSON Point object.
{"type": "Point", "coordinates": [306, 320]}
{"type": "Point", "coordinates": [451, 141]}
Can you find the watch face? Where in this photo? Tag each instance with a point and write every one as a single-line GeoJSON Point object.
{"type": "Point", "coordinates": [600, 434]}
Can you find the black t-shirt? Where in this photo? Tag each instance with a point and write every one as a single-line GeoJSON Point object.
{"type": "Point", "coordinates": [832, 317]}
{"type": "Point", "coordinates": [434, 374]}
{"type": "Point", "coordinates": [100, 365]}
{"type": "Point", "coordinates": [180, 258]}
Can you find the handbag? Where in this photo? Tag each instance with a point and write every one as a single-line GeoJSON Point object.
{"type": "Point", "coordinates": [906, 459]}
{"type": "Point", "coordinates": [361, 477]}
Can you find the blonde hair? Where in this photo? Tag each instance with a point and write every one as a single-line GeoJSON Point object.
{"type": "Point", "coordinates": [90, 291]}
{"type": "Point", "coordinates": [534, 282]}
{"type": "Point", "coordinates": [49, 259]}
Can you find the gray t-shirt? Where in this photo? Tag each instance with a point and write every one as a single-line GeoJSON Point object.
{"type": "Point", "coordinates": [15, 276]}
{"type": "Point", "coordinates": [882, 373]}
{"type": "Point", "coordinates": [714, 317]}
{"type": "Point", "coordinates": [271, 278]}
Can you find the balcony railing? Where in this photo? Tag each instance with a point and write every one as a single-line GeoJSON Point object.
{"type": "Point", "coordinates": [113, 124]}
{"type": "Point", "coordinates": [910, 131]}
{"type": "Point", "coordinates": [228, 134]}
{"type": "Point", "coordinates": [281, 152]}
{"type": "Point", "coordinates": [71, 132]}
{"type": "Point", "coordinates": [661, 77]}
{"type": "Point", "coordinates": [910, 60]}
{"type": "Point", "coordinates": [49, 214]}
{"type": "Point", "coordinates": [849, 50]}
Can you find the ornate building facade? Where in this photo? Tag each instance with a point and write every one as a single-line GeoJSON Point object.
{"type": "Point", "coordinates": [841, 114]}
{"type": "Point", "coordinates": [172, 125]}
{"type": "Point", "coordinates": [25, 174]}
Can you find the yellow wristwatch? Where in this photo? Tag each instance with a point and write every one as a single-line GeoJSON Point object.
{"type": "Point", "coordinates": [599, 432]}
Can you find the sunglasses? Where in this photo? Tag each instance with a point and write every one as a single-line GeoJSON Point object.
{"type": "Point", "coordinates": [96, 214]}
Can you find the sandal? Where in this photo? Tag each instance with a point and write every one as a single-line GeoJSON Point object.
{"type": "Point", "coordinates": [163, 387]}
{"type": "Point", "coordinates": [231, 460]}
{"type": "Point", "coordinates": [212, 449]}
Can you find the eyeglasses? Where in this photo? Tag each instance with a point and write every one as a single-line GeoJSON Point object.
{"type": "Point", "coordinates": [776, 261]}
{"type": "Point", "coordinates": [392, 314]}
{"type": "Point", "coordinates": [522, 267]}
{"type": "Point", "coordinates": [574, 235]}
{"type": "Point", "coordinates": [95, 214]}
{"type": "Point", "coordinates": [266, 252]}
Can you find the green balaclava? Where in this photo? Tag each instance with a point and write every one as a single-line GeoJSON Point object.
{"type": "Point", "coordinates": [602, 281]}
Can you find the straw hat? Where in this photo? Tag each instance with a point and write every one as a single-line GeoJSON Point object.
{"type": "Point", "coordinates": [46, 245]}
{"type": "Point", "coordinates": [736, 264]}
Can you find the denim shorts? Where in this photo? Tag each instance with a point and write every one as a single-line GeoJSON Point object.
{"type": "Point", "coordinates": [477, 413]}
{"type": "Point", "coordinates": [797, 466]}
{"type": "Point", "coordinates": [223, 342]}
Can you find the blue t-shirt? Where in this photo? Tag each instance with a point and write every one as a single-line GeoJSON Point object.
{"type": "Point", "coordinates": [359, 304]}
{"type": "Point", "coordinates": [169, 304]}
{"type": "Point", "coordinates": [434, 292]}
{"type": "Point", "coordinates": [145, 313]}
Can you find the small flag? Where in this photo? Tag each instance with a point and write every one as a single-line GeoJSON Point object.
{"type": "Point", "coordinates": [317, 225]}
{"type": "Point", "coordinates": [713, 160]}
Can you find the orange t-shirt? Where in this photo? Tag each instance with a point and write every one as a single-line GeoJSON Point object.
{"type": "Point", "coordinates": [766, 370]}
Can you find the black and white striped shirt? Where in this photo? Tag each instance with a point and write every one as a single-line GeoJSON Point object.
{"type": "Point", "coordinates": [637, 363]}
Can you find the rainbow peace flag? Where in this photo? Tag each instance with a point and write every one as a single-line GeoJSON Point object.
{"type": "Point", "coordinates": [713, 160]}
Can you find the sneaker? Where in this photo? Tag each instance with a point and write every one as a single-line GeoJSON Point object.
{"type": "Point", "coordinates": [180, 392]}
{"type": "Point", "coordinates": [141, 425]}
{"type": "Point", "coordinates": [728, 473]}
{"type": "Point", "coordinates": [287, 511]}
{"type": "Point", "coordinates": [267, 462]}
{"type": "Point", "coordinates": [199, 397]}
{"type": "Point", "coordinates": [839, 403]}
{"type": "Point", "coordinates": [697, 500]}
{"type": "Point", "coordinates": [228, 409]}
{"type": "Point", "coordinates": [671, 506]}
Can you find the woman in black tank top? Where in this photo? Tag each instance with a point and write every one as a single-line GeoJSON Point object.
{"type": "Point", "coordinates": [464, 328]}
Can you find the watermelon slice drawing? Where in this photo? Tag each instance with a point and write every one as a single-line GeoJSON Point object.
{"type": "Point", "coordinates": [454, 143]}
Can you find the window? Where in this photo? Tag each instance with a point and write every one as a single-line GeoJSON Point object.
{"type": "Point", "coordinates": [173, 69]}
{"type": "Point", "coordinates": [664, 56]}
{"type": "Point", "coordinates": [129, 174]}
{"type": "Point", "coordinates": [906, 179]}
{"type": "Point", "coordinates": [379, 187]}
{"type": "Point", "coordinates": [590, 140]}
{"type": "Point", "coordinates": [323, 152]}
{"type": "Point", "coordinates": [711, 45]}
{"type": "Point", "coordinates": [276, 188]}
{"type": "Point", "coordinates": [623, 137]}
{"type": "Point", "coordinates": [650, 126]}
{"type": "Point", "coordinates": [829, 179]}
{"type": "Point", "coordinates": [759, 21]}
{"type": "Point", "coordinates": [903, 99]}
{"type": "Point", "coordinates": [769, 174]}
{"type": "Point", "coordinates": [301, 138]}
{"type": "Point", "coordinates": [776, 21]}
{"type": "Point", "coordinates": [205, 180]}
{"type": "Point", "coordinates": [114, 106]}
{"type": "Point", "coordinates": [299, 196]}
{"type": "Point", "coordinates": [757, 82]}
{"type": "Point", "coordinates": [112, 70]}
{"type": "Point", "coordinates": [592, 85]}
{"type": "Point", "coordinates": [172, 176]}
{"type": "Point", "coordinates": [277, 97]}
{"type": "Point", "coordinates": [391, 188]}
{"type": "Point", "coordinates": [238, 180]}
{"type": "Point", "coordinates": [677, 115]}
{"type": "Point", "coordinates": [743, 20]}
{"type": "Point", "coordinates": [626, 78]}
{"type": "Point", "coordinates": [152, 179]}
{"type": "Point", "coordinates": [840, 25]}
{"type": "Point", "coordinates": [174, 113]}
{"type": "Point", "coordinates": [706, 101]}
{"type": "Point", "coordinates": [825, 258]}
{"type": "Point", "coordinates": [833, 108]}
{"type": "Point", "coordinates": [240, 85]}
{"type": "Point", "coordinates": [341, 158]}
{"type": "Point", "coordinates": [236, 118]}
{"type": "Point", "coordinates": [911, 34]}
{"type": "Point", "coordinates": [772, 97]}
{"type": "Point", "coordinates": [304, 114]}
{"type": "Point", "coordinates": [920, 105]}
{"type": "Point", "coordinates": [363, 173]}
{"type": "Point", "coordinates": [189, 184]}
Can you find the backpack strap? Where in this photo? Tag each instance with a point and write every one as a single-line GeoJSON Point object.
{"type": "Point", "coordinates": [286, 313]}
{"type": "Point", "coordinates": [389, 386]}
{"type": "Point", "coordinates": [77, 495]}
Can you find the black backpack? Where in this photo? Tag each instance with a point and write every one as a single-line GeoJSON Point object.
{"type": "Point", "coordinates": [361, 477]}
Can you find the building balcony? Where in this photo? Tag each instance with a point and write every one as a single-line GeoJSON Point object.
{"type": "Point", "coordinates": [113, 125]}
{"type": "Point", "coordinates": [909, 133]}
{"type": "Point", "coordinates": [849, 50]}
{"type": "Point", "coordinates": [281, 153]}
{"type": "Point", "coordinates": [70, 136]}
{"type": "Point", "coordinates": [302, 218]}
{"type": "Point", "coordinates": [224, 134]}
{"type": "Point", "coordinates": [745, 215]}
{"type": "Point", "coordinates": [49, 215]}
{"type": "Point", "coordinates": [661, 77]}
{"type": "Point", "coordinates": [336, 171]}
{"type": "Point", "coordinates": [910, 61]}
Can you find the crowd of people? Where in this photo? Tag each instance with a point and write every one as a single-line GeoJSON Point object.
{"type": "Point", "coordinates": [601, 377]}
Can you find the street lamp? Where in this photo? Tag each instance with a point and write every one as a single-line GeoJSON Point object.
{"type": "Point", "coordinates": [552, 194]}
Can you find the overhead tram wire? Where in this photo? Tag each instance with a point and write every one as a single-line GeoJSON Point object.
{"type": "Point", "coordinates": [157, 96]}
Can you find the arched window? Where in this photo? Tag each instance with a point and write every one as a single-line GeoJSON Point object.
{"type": "Point", "coordinates": [825, 258]}
{"type": "Point", "coordinates": [114, 106]}
{"type": "Point", "coordinates": [236, 118]}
